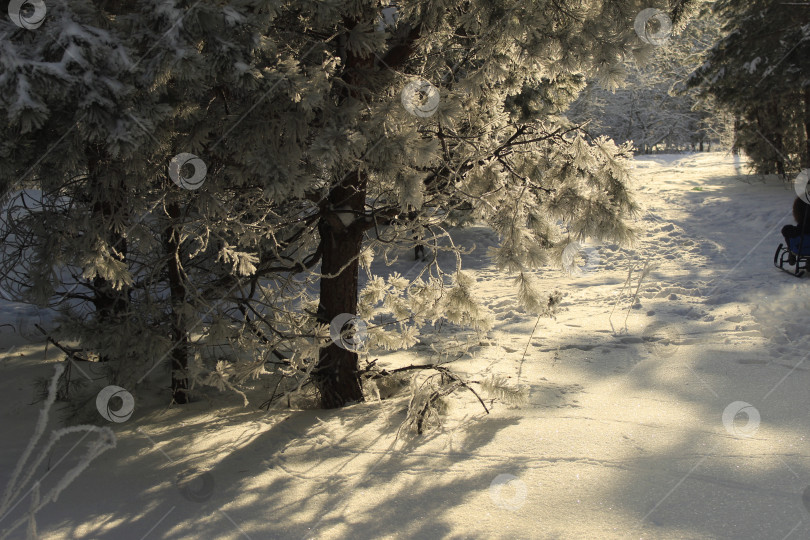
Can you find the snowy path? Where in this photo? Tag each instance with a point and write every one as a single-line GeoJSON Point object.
{"type": "Point", "coordinates": [623, 435]}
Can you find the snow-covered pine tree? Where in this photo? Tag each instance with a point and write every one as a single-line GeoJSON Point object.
{"type": "Point", "coordinates": [493, 146]}
{"type": "Point", "coordinates": [326, 137]}
{"type": "Point", "coordinates": [68, 143]}
{"type": "Point", "coordinates": [99, 99]}
{"type": "Point", "coordinates": [759, 72]}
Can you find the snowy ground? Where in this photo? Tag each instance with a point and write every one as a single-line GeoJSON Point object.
{"type": "Point", "coordinates": [623, 435]}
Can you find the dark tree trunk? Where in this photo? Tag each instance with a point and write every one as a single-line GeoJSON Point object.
{"type": "Point", "coordinates": [775, 119]}
{"type": "Point", "coordinates": [772, 138]}
{"type": "Point", "coordinates": [109, 304]}
{"type": "Point", "coordinates": [735, 147]}
{"type": "Point", "coordinates": [336, 375]}
{"type": "Point", "coordinates": [177, 291]}
{"type": "Point", "coordinates": [806, 160]}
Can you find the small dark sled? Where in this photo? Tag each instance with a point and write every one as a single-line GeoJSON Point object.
{"type": "Point", "coordinates": [798, 249]}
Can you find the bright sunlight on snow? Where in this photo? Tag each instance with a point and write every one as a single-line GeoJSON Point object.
{"type": "Point", "coordinates": [622, 435]}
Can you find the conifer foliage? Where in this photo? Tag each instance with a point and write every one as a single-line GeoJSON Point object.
{"type": "Point", "coordinates": [199, 184]}
{"type": "Point", "coordinates": [759, 72]}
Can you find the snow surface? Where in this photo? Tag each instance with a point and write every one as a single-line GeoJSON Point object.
{"type": "Point", "coordinates": [623, 435]}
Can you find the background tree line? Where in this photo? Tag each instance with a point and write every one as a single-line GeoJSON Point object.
{"type": "Point", "coordinates": [653, 107]}
{"type": "Point", "coordinates": [759, 71]}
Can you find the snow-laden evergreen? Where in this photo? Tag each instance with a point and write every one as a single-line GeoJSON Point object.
{"type": "Point", "coordinates": [758, 71]}
{"type": "Point", "coordinates": [208, 178]}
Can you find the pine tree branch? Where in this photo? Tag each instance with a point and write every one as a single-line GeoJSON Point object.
{"type": "Point", "coordinates": [434, 397]}
{"type": "Point", "coordinates": [71, 352]}
{"type": "Point", "coordinates": [378, 374]}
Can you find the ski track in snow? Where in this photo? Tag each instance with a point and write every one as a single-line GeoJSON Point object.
{"type": "Point", "coordinates": [622, 435]}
